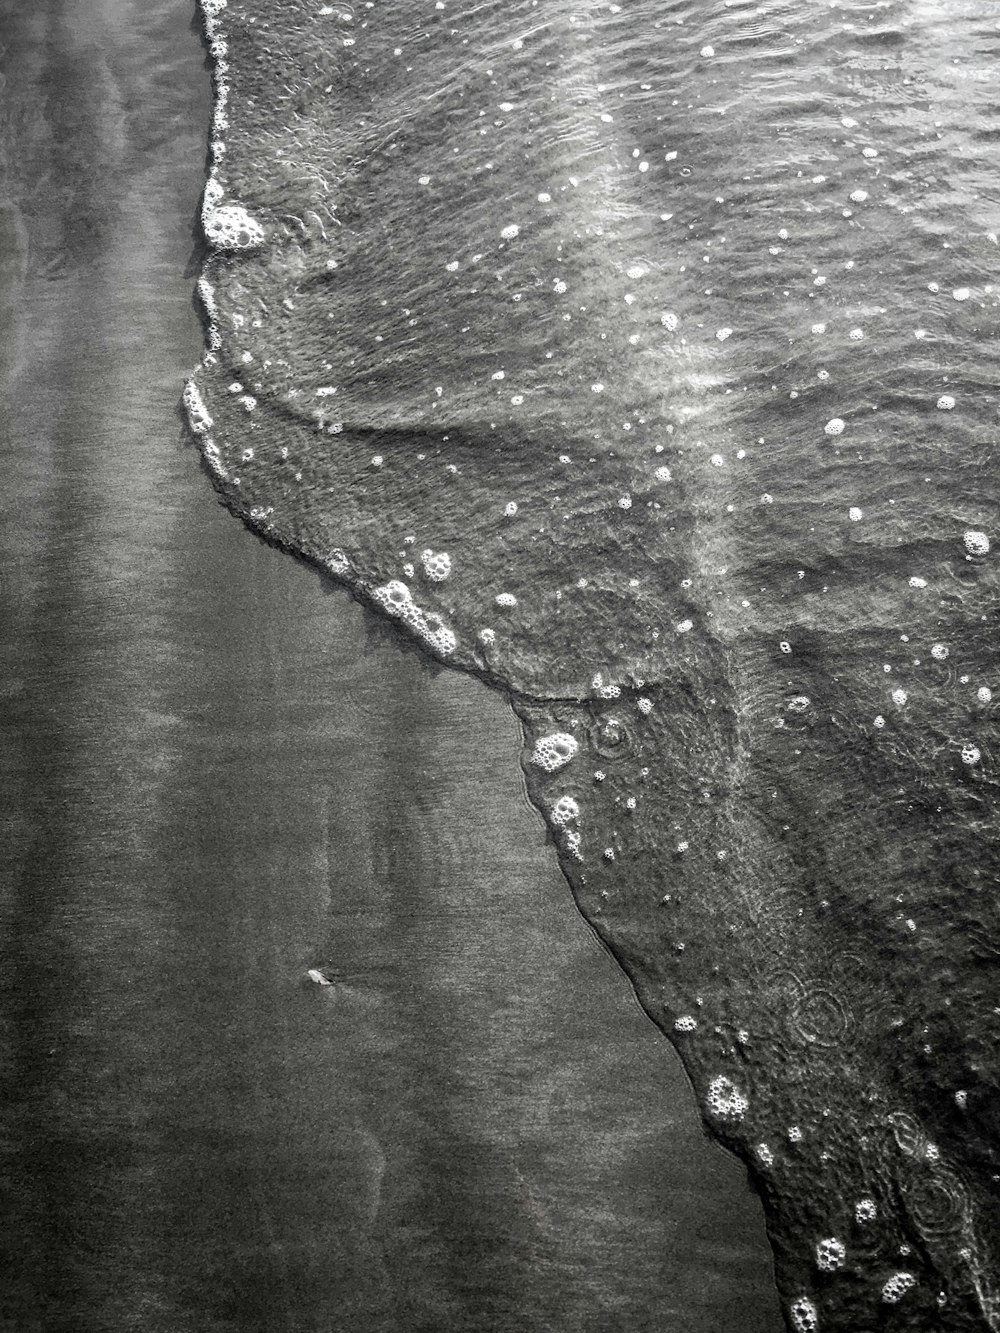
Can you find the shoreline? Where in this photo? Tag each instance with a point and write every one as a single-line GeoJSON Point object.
{"type": "Point", "coordinates": [222, 774]}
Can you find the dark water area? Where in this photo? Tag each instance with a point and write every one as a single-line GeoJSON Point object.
{"type": "Point", "coordinates": [640, 360]}
{"type": "Point", "coordinates": [220, 773]}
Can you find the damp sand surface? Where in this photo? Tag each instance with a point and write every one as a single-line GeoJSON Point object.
{"type": "Point", "coordinates": [220, 773]}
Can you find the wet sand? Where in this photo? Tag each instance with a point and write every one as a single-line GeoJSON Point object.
{"type": "Point", "coordinates": [219, 773]}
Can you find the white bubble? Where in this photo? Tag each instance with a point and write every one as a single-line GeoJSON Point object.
{"type": "Point", "coordinates": [377, 460]}
{"type": "Point", "coordinates": [946, 402]}
{"type": "Point", "coordinates": [597, 388]}
{"type": "Point", "coordinates": [830, 1254]}
{"type": "Point", "coordinates": [976, 543]}
{"type": "Point", "coordinates": [437, 564]}
{"type": "Point", "coordinates": [804, 1316]}
{"type": "Point", "coordinates": [865, 1210]}
{"type": "Point", "coordinates": [785, 646]}
{"type": "Point", "coordinates": [834, 426]}
{"type": "Point", "coordinates": [505, 599]}
{"type": "Point", "coordinates": [819, 328]}
{"type": "Point", "coordinates": [723, 334]}
{"type": "Point", "coordinates": [856, 335]}
{"type": "Point", "coordinates": [725, 1100]}
{"type": "Point", "coordinates": [708, 52]}
{"type": "Point", "coordinates": [899, 697]}
{"type": "Point", "coordinates": [544, 198]}
{"type": "Point", "coordinates": [510, 508]}
{"type": "Point", "coordinates": [897, 1286]}
{"type": "Point", "coordinates": [855, 514]}
{"type": "Point", "coordinates": [684, 626]}
{"type": "Point", "coordinates": [645, 706]}
{"type": "Point", "coordinates": [879, 722]}
{"type": "Point", "coordinates": [625, 502]}
{"type": "Point", "coordinates": [859, 196]}
{"type": "Point", "coordinates": [498, 375]}
{"type": "Point", "coordinates": [984, 694]}
{"type": "Point", "coordinates": [917, 582]}
{"type": "Point", "coordinates": [939, 651]}
{"type": "Point", "coordinates": [685, 1023]}
{"type": "Point", "coordinates": [970, 754]}
{"type": "Point", "coordinates": [555, 751]}
{"type": "Point", "coordinates": [717, 460]}
{"type": "Point", "coordinates": [961, 294]}
{"type": "Point", "coordinates": [636, 271]}
{"type": "Point", "coordinates": [662, 474]}
{"type": "Point", "coordinates": [669, 320]}
{"type": "Point", "coordinates": [510, 231]}
{"type": "Point", "coordinates": [869, 152]}
{"type": "Point", "coordinates": [565, 811]}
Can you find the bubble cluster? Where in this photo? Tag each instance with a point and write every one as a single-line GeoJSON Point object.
{"type": "Point", "coordinates": [865, 1211]}
{"type": "Point", "coordinates": [555, 751]}
{"type": "Point", "coordinates": [724, 1099]}
{"type": "Point", "coordinates": [803, 1315]}
{"type": "Point", "coordinates": [897, 1286]}
{"type": "Point", "coordinates": [835, 426]}
{"type": "Point", "coordinates": [437, 564]}
{"type": "Point", "coordinates": [506, 600]}
{"type": "Point", "coordinates": [564, 811]}
{"type": "Point", "coordinates": [230, 227]}
{"type": "Point", "coordinates": [395, 598]}
{"type": "Point", "coordinates": [830, 1254]}
{"type": "Point", "coordinates": [946, 402]}
{"type": "Point", "coordinates": [198, 417]}
{"type": "Point", "coordinates": [976, 543]}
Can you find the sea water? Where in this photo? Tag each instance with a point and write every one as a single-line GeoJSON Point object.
{"type": "Point", "coordinates": [640, 359]}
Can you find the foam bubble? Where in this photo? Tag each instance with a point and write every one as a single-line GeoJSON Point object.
{"type": "Point", "coordinates": [198, 417]}
{"type": "Point", "coordinates": [961, 294]}
{"type": "Point", "coordinates": [804, 1315]}
{"type": "Point", "coordinates": [834, 426]}
{"type": "Point", "coordinates": [855, 514]}
{"type": "Point", "coordinates": [565, 811]}
{"type": "Point", "coordinates": [970, 754]}
{"type": "Point", "coordinates": [708, 52]}
{"type": "Point", "coordinates": [510, 231]}
{"type": "Point", "coordinates": [723, 334]}
{"type": "Point", "coordinates": [505, 599]}
{"type": "Point", "coordinates": [437, 564]}
{"type": "Point", "coordinates": [946, 402]}
{"type": "Point", "coordinates": [830, 1254]}
{"type": "Point", "coordinates": [662, 474]}
{"type": "Point", "coordinates": [897, 1286]}
{"type": "Point", "coordinates": [555, 751]}
{"type": "Point", "coordinates": [939, 651]}
{"type": "Point", "coordinates": [395, 598]}
{"type": "Point", "coordinates": [865, 1211]}
{"type": "Point", "coordinates": [230, 227]}
{"type": "Point", "coordinates": [976, 543]}
{"type": "Point", "coordinates": [724, 1099]}
{"type": "Point", "coordinates": [984, 694]}
{"type": "Point", "coordinates": [669, 321]}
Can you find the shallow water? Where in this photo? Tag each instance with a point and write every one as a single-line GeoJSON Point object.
{"type": "Point", "coordinates": [218, 773]}
{"type": "Point", "coordinates": [639, 359]}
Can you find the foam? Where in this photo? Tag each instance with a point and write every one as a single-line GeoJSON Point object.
{"type": "Point", "coordinates": [830, 1254]}
{"type": "Point", "coordinates": [976, 543]}
{"type": "Point", "coordinates": [230, 227]}
{"type": "Point", "coordinates": [437, 564]}
{"type": "Point", "coordinates": [724, 1099]}
{"type": "Point", "coordinates": [555, 751]}
{"type": "Point", "coordinates": [395, 598]}
{"type": "Point", "coordinates": [803, 1315]}
{"type": "Point", "coordinates": [897, 1286]}
{"type": "Point", "coordinates": [198, 416]}
{"type": "Point", "coordinates": [565, 811]}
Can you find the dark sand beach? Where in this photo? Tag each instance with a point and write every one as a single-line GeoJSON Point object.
{"type": "Point", "coordinates": [219, 773]}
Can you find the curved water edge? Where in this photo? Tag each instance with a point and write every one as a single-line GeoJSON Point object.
{"type": "Point", "coordinates": [725, 540]}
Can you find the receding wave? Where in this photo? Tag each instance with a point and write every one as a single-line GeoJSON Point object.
{"type": "Point", "coordinates": [641, 360]}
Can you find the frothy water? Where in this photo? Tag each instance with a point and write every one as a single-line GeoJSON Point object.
{"type": "Point", "coordinates": [640, 359]}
